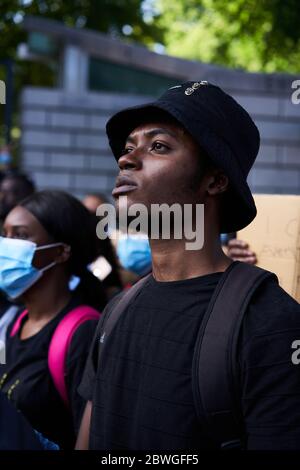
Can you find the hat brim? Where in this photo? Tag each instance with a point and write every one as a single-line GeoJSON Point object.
{"type": "Point", "coordinates": [238, 208]}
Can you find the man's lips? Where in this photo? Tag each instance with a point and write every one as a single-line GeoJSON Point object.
{"type": "Point", "coordinates": [124, 184]}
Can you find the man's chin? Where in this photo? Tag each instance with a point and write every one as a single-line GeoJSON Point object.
{"type": "Point", "coordinates": [124, 202]}
{"type": "Point", "coordinates": [131, 214]}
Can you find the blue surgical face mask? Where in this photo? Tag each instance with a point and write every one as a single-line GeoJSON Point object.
{"type": "Point", "coordinates": [134, 254]}
{"type": "Point", "coordinates": [17, 274]}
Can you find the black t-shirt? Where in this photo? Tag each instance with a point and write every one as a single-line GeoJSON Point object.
{"type": "Point", "coordinates": [142, 395]}
{"type": "Point", "coordinates": [26, 380]}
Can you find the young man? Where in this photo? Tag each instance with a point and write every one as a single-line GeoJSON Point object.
{"type": "Point", "coordinates": [194, 145]}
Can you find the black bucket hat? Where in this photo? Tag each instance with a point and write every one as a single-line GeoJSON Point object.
{"type": "Point", "coordinates": [221, 127]}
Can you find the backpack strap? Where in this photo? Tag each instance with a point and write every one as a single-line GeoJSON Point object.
{"type": "Point", "coordinates": [215, 365]}
{"type": "Point", "coordinates": [6, 319]}
{"type": "Point", "coordinates": [60, 342]}
{"type": "Point", "coordinates": [112, 316]}
{"type": "Point", "coordinates": [17, 323]}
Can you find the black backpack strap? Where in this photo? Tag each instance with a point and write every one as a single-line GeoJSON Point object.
{"type": "Point", "coordinates": [112, 316]}
{"type": "Point", "coordinates": [215, 364]}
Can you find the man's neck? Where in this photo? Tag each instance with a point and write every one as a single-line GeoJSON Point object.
{"type": "Point", "coordinates": [171, 261]}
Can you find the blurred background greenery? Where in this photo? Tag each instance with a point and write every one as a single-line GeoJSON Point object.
{"type": "Point", "coordinates": [256, 35]}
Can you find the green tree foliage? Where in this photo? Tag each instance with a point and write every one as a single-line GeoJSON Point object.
{"type": "Point", "coordinates": [109, 16]}
{"type": "Point", "coordinates": [255, 35]}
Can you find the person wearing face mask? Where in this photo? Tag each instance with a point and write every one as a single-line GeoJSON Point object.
{"type": "Point", "coordinates": [47, 238]}
{"type": "Point", "coordinates": [14, 186]}
{"type": "Point", "coordinates": [134, 253]}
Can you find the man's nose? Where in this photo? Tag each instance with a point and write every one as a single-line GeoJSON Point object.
{"type": "Point", "coordinates": [131, 160]}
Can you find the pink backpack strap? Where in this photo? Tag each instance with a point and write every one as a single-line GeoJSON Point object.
{"type": "Point", "coordinates": [18, 322]}
{"type": "Point", "coordinates": [60, 342]}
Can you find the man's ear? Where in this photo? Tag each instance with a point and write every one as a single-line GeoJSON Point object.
{"type": "Point", "coordinates": [64, 255]}
{"type": "Point", "coordinates": [217, 182]}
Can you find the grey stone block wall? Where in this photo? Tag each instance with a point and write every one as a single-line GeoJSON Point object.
{"type": "Point", "coordinates": [64, 143]}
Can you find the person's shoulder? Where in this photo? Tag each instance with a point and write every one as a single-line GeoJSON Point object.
{"type": "Point", "coordinates": [86, 328]}
{"type": "Point", "coordinates": [270, 311]}
{"type": "Point", "coordinates": [81, 338]}
{"type": "Point", "coordinates": [119, 296]}
{"type": "Point", "coordinates": [85, 331]}
{"type": "Point", "coordinates": [112, 303]}
{"type": "Point", "coordinates": [271, 297]}
{"type": "Point", "coordinates": [115, 299]}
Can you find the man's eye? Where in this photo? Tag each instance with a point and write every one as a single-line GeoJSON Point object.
{"type": "Point", "coordinates": [159, 146]}
{"type": "Point", "coordinates": [126, 150]}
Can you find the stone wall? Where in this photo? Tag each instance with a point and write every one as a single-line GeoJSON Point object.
{"type": "Point", "coordinates": [64, 145]}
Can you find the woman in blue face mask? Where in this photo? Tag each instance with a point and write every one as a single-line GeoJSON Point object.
{"type": "Point", "coordinates": [47, 238]}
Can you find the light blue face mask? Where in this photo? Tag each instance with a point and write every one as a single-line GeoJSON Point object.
{"type": "Point", "coordinates": [17, 274]}
{"type": "Point", "coordinates": [134, 254]}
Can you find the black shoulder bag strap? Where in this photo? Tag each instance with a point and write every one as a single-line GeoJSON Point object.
{"type": "Point", "coordinates": [111, 317]}
{"type": "Point", "coordinates": [215, 364]}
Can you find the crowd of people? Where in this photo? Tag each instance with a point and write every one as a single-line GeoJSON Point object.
{"type": "Point", "coordinates": [60, 284]}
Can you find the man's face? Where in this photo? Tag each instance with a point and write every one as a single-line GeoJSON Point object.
{"type": "Point", "coordinates": [161, 164]}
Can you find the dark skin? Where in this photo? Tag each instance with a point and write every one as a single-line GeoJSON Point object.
{"type": "Point", "coordinates": [239, 250]}
{"type": "Point", "coordinates": [8, 195]}
{"type": "Point", "coordinates": [165, 164]}
{"type": "Point", "coordinates": [50, 294]}
{"type": "Point", "coordinates": [11, 193]}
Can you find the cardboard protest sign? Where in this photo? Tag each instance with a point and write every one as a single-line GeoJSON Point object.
{"type": "Point", "coordinates": [275, 237]}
